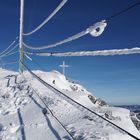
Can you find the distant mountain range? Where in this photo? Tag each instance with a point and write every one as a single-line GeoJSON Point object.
{"type": "Point", "coordinates": [132, 108]}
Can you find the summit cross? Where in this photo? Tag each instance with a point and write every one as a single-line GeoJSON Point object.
{"type": "Point", "coordinates": [63, 66]}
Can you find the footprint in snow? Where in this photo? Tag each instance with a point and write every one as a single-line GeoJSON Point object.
{"type": "Point", "coordinates": [5, 112]}
{"type": "Point", "coordinates": [1, 131]}
{"type": "Point", "coordinates": [9, 111]}
{"type": "Point", "coordinates": [14, 128]}
{"type": "Point", "coordinates": [1, 127]}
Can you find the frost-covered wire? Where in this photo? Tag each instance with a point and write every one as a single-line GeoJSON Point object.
{"type": "Point", "coordinates": [33, 60]}
{"type": "Point", "coordinates": [94, 53]}
{"type": "Point", "coordinates": [47, 19]}
{"type": "Point", "coordinates": [28, 57]}
{"type": "Point", "coordinates": [12, 53]}
{"type": "Point", "coordinates": [4, 51]}
{"type": "Point", "coordinates": [7, 53]}
{"type": "Point", "coordinates": [122, 11]}
{"type": "Point", "coordinates": [9, 63]}
{"type": "Point", "coordinates": [95, 30]}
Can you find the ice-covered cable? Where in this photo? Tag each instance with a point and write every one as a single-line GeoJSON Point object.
{"type": "Point", "coordinates": [94, 53]}
{"type": "Point", "coordinates": [28, 56]}
{"type": "Point", "coordinates": [14, 62]}
{"type": "Point", "coordinates": [5, 54]}
{"type": "Point", "coordinates": [95, 30]}
{"type": "Point", "coordinates": [9, 46]}
{"type": "Point", "coordinates": [123, 11]}
{"type": "Point", "coordinates": [47, 19]}
{"type": "Point", "coordinates": [12, 53]}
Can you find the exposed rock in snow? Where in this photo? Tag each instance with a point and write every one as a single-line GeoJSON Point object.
{"type": "Point", "coordinates": [23, 114]}
{"type": "Point", "coordinates": [97, 101]}
{"type": "Point", "coordinates": [136, 119]}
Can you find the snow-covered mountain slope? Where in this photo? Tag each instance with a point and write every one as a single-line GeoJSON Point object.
{"type": "Point", "coordinates": [24, 116]}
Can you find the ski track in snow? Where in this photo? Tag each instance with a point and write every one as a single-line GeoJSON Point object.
{"type": "Point", "coordinates": [21, 114]}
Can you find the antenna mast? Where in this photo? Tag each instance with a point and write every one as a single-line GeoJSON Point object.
{"type": "Point", "coordinates": [21, 50]}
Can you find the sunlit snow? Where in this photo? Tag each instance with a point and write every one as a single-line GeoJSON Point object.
{"type": "Point", "coordinates": [22, 117]}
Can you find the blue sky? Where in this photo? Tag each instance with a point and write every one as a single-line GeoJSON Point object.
{"type": "Point", "coordinates": [113, 78]}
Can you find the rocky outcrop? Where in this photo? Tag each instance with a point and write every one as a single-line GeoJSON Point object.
{"type": "Point", "coordinates": [97, 101]}
{"type": "Point", "coordinates": [135, 117]}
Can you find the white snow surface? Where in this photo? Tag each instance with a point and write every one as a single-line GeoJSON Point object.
{"type": "Point", "coordinates": [21, 116]}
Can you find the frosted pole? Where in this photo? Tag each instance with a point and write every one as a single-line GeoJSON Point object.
{"type": "Point", "coordinates": [2, 65]}
{"type": "Point", "coordinates": [21, 60]}
{"type": "Point", "coordinates": [63, 67]}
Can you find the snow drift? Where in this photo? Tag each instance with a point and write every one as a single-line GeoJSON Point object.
{"type": "Point", "coordinates": [21, 115]}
